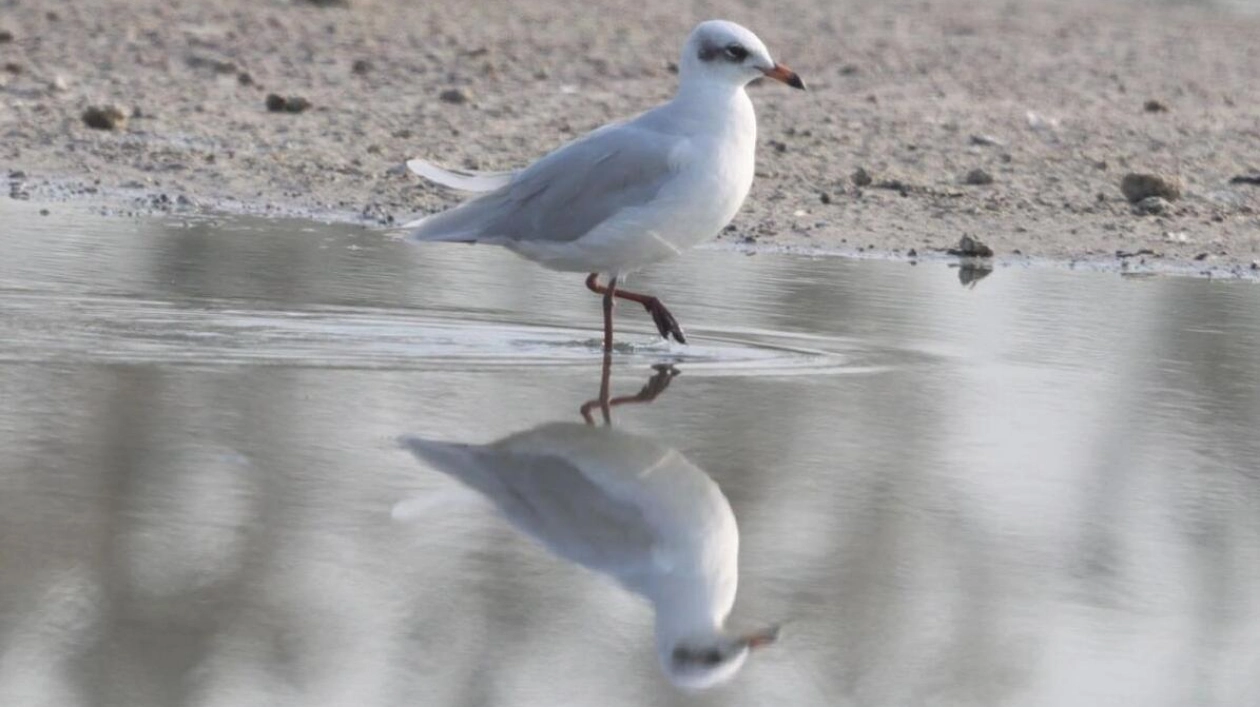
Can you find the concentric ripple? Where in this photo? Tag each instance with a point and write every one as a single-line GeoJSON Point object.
{"type": "Point", "coordinates": [41, 327]}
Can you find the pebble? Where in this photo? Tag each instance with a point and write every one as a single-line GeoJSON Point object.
{"type": "Point", "coordinates": [986, 140]}
{"type": "Point", "coordinates": [244, 78]}
{"type": "Point", "coordinates": [6, 36]}
{"type": "Point", "coordinates": [104, 118]}
{"type": "Point", "coordinates": [1252, 178]}
{"type": "Point", "coordinates": [293, 104]}
{"type": "Point", "coordinates": [1152, 205]}
{"type": "Point", "coordinates": [1255, 265]}
{"type": "Point", "coordinates": [971, 247]}
{"type": "Point", "coordinates": [978, 177]}
{"type": "Point", "coordinates": [454, 96]}
{"type": "Point", "coordinates": [824, 198]}
{"type": "Point", "coordinates": [1154, 106]}
{"type": "Point", "coordinates": [361, 66]}
{"type": "Point", "coordinates": [44, 212]}
{"type": "Point", "coordinates": [1137, 186]}
{"type": "Point", "coordinates": [1201, 256]}
{"type": "Point", "coordinates": [862, 178]}
{"type": "Point", "coordinates": [13, 67]}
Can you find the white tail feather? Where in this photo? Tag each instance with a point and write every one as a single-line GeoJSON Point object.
{"type": "Point", "coordinates": [462, 180]}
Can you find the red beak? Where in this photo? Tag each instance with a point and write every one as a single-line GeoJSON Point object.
{"type": "Point", "coordinates": [786, 75]}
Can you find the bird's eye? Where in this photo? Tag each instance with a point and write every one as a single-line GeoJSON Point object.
{"type": "Point", "coordinates": [736, 52]}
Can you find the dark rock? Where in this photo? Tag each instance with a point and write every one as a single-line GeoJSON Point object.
{"type": "Point", "coordinates": [456, 96]}
{"type": "Point", "coordinates": [969, 247]}
{"type": "Point", "coordinates": [1137, 186]}
{"type": "Point", "coordinates": [1201, 256]}
{"type": "Point", "coordinates": [13, 67]}
{"type": "Point", "coordinates": [986, 141]}
{"type": "Point", "coordinates": [293, 104]}
{"type": "Point", "coordinates": [824, 198]}
{"type": "Point", "coordinates": [104, 118]}
{"type": "Point", "coordinates": [245, 79]}
{"type": "Point", "coordinates": [779, 147]}
{"type": "Point", "coordinates": [44, 212]}
{"type": "Point", "coordinates": [1252, 178]}
{"type": "Point", "coordinates": [671, 67]}
{"type": "Point", "coordinates": [912, 253]}
{"type": "Point", "coordinates": [1154, 106]}
{"type": "Point", "coordinates": [361, 67]}
{"type": "Point", "coordinates": [862, 178]}
{"type": "Point", "coordinates": [978, 177]}
{"type": "Point", "coordinates": [6, 36]}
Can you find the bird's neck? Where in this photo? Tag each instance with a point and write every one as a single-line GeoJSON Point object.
{"type": "Point", "coordinates": [689, 610]}
{"type": "Point", "coordinates": [714, 103]}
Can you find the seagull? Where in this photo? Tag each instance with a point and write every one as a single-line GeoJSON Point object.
{"type": "Point", "coordinates": [627, 507]}
{"type": "Point", "coordinates": [631, 193]}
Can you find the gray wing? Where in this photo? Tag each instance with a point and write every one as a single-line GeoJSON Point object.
{"type": "Point", "coordinates": [564, 195]}
{"type": "Point", "coordinates": [550, 499]}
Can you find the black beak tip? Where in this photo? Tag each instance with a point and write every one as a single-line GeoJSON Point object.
{"type": "Point", "coordinates": [796, 82]}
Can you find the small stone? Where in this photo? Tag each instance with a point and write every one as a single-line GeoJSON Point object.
{"type": "Point", "coordinates": [455, 96]}
{"type": "Point", "coordinates": [986, 141]}
{"type": "Point", "coordinates": [361, 67]}
{"type": "Point", "coordinates": [59, 83]}
{"type": "Point", "coordinates": [6, 36]}
{"type": "Point", "coordinates": [671, 67]}
{"type": "Point", "coordinates": [824, 198]}
{"type": "Point", "coordinates": [1152, 205]}
{"type": "Point", "coordinates": [969, 247]}
{"type": "Point", "coordinates": [1154, 106]}
{"type": "Point", "coordinates": [293, 104]}
{"type": "Point", "coordinates": [1255, 265]}
{"type": "Point", "coordinates": [1201, 256]}
{"type": "Point", "coordinates": [104, 118]}
{"type": "Point", "coordinates": [1137, 186]}
{"type": "Point", "coordinates": [862, 178]}
{"type": "Point", "coordinates": [779, 147]}
{"type": "Point", "coordinates": [978, 177]}
{"type": "Point", "coordinates": [244, 78]}
{"type": "Point", "coordinates": [44, 212]}
{"type": "Point", "coordinates": [912, 253]}
{"type": "Point", "coordinates": [1252, 178]}
{"type": "Point", "coordinates": [13, 67]}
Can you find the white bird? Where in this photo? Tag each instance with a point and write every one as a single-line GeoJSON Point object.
{"type": "Point", "coordinates": [629, 508]}
{"type": "Point", "coordinates": [630, 193]}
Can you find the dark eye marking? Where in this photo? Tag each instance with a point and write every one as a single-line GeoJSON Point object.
{"type": "Point", "coordinates": [734, 52]}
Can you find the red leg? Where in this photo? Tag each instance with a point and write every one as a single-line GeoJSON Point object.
{"type": "Point", "coordinates": [665, 322]}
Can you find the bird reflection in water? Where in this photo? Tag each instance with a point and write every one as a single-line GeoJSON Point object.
{"type": "Point", "coordinates": [627, 507]}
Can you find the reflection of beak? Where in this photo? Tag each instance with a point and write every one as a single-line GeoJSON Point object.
{"type": "Point", "coordinates": [786, 75]}
{"type": "Point", "coordinates": [767, 636]}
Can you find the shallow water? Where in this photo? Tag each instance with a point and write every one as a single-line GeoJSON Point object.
{"type": "Point", "coordinates": [1040, 489]}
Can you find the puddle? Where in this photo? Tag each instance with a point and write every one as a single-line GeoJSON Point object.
{"type": "Point", "coordinates": [1031, 487]}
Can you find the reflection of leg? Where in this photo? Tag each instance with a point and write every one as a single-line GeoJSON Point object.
{"type": "Point", "coordinates": [665, 322]}
{"type": "Point", "coordinates": [654, 387]}
{"type": "Point", "coordinates": [658, 383]}
{"type": "Point", "coordinates": [605, 378]}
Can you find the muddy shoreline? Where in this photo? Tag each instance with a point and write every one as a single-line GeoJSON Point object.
{"type": "Point", "coordinates": [1053, 102]}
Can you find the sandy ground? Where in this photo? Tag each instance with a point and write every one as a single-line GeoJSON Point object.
{"type": "Point", "coordinates": [1048, 98]}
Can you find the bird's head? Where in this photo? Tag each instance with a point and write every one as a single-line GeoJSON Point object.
{"type": "Point", "coordinates": [704, 662]}
{"type": "Point", "coordinates": [718, 50]}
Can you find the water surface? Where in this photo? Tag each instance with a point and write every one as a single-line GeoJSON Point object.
{"type": "Point", "coordinates": [1041, 489]}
